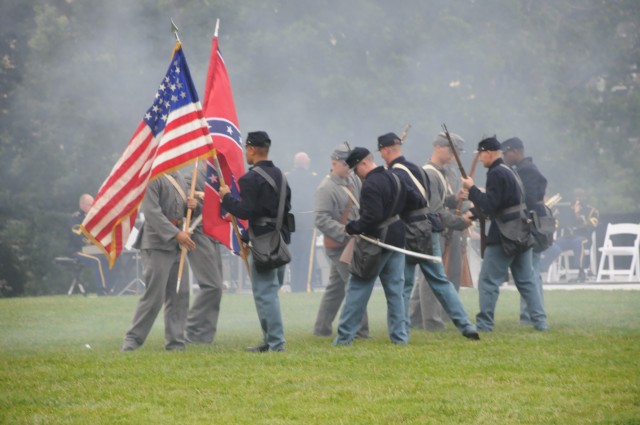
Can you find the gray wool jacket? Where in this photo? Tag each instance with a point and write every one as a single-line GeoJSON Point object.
{"type": "Point", "coordinates": [439, 193]}
{"type": "Point", "coordinates": [331, 200]}
{"type": "Point", "coordinates": [162, 204]}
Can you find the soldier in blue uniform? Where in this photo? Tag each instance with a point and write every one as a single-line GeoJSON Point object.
{"type": "Point", "coordinates": [417, 210]}
{"type": "Point", "coordinates": [382, 199]}
{"type": "Point", "coordinates": [502, 201]}
{"type": "Point", "coordinates": [535, 185]}
{"type": "Point", "coordinates": [259, 205]}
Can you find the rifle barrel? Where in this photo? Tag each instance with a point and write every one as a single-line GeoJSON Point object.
{"type": "Point", "coordinates": [455, 152]}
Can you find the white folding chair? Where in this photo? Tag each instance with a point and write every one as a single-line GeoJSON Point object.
{"type": "Point", "coordinates": [610, 250]}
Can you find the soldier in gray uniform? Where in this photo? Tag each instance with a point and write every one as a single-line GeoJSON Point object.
{"type": "Point", "coordinates": [205, 261]}
{"type": "Point", "coordinates": [336, 203]}
{"type": "Point", "coordinates": [425, 311]}
{"type": "Point", "coordinates": [164, 207]}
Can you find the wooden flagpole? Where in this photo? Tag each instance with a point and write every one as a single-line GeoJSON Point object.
{"type": "Point", "coordinates": [311, 257]}
{"type": "Point", "coordinates": [187, 224]}
{"type": "Point", "coordinates": [183, 252]}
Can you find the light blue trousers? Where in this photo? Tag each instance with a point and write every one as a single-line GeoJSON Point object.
{"type": "Point", "coordinates": [390, 271]}
{"type": "Point", "coordinates": [442, 288]}
{"type": "Point", "coordinates": [494, 269]}
{"type": "Point", "coordinates": [265, 286]}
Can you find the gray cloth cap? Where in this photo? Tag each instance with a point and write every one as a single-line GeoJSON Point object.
{"type": "Point", "coordinates": [441, 140]}
{"type": "Point", "coordinates": [341, 152]}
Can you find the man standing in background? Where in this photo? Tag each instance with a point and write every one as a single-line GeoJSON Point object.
{"type": "Point", "coordinates": [535, 185]}
{"type": "Point", "coordinates": [303, 183]}
{"type": "Point", "coordinates": [336, 203]}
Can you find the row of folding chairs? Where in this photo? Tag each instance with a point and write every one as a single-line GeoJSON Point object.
{"type": "Point", "coordinates": [619, 256]}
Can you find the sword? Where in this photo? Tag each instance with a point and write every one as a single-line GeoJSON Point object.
{"type": "Point", "coordinates": [401, 250]}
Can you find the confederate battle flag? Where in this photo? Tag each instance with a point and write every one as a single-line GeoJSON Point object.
{"type": "Point", "coordinates": [220, 113]}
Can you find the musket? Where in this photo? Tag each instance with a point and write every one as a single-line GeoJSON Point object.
{"type": "Point", "coordinates": [481, 219]}
{"type": "Point", "coordinates": [455, 152]}
{"type": "Point", "coordinates": [472, 172]}
{"type": "Point", "coordinates": [465, 278]}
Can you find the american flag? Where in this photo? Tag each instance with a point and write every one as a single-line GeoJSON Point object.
{"type": "Point", "coordinates": [172, 134]}
{"type": "Point", "coordinates": [220, 112]}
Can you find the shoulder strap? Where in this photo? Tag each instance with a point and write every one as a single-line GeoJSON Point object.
{"type": "Point", "coordinates": [177, 186]}
{"type": "Point", "coordinates": [421, 187]}
{"type": "Point", "coordinates": [397, 197]}
{"type": "Point", "coordinates": [522, 205]}
{"type": "Point", "coordinates": [518, 181]}
{"type": "Point", "coordinates": [443, 180]}
{"type": "Point", "coordinates": [282, 191]}
{"type": "Point", "coordinates": [267, 177]}
{"type": "Point", "coordinates": [351, 196]}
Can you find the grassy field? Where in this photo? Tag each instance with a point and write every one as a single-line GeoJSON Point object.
{"type": "Point", "coordinates": [60, 364]}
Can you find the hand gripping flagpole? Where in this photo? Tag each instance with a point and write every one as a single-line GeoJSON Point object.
{"type": "Point", "coordinates": [187, 224]}
{"type": "Point", "coordinates": [234, 221]}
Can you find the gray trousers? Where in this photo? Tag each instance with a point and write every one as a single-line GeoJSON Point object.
{"type": "Point", "coordinates": [425, 311]}
{"type": "Point", "coordinates": [334, 295]}
{"type": "Point", "coordinates": [205, 261]}
{"type": "Point", "coordinates": [161, 277]}
{"type": "Point", "coordinates": [455, 260]}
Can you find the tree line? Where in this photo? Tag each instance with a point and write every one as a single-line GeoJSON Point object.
{"type": "Point", "coordinates": [75, 79]}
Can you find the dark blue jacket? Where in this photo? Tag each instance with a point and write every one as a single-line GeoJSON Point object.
{"type": "Point", "coordinates": [376, 200]}
{"type": "Point", "coordinates": [501, 192]}
{"type": "Point", "coordinates": [415, 200]}
{"type": "Point", "coordinates": [259, 199]}
{"type": "Point", "coordinates": [535, 185]}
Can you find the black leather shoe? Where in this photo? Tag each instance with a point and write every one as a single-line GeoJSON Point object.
{"type": "Point", "coordinates": [258, 348]}
{"type": "Point", "coordinates": [472, 335]}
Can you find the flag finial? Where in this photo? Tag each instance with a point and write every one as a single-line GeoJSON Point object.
{"type": "Point", "coordinates": [174, 30]}
{"type": "Point", "coordinates": [215, 33]}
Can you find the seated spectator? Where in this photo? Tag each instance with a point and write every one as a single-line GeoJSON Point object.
{"type": "Point", "coordinates": [87, 254]}
{"type": "Point", "coordinates": [575, 228]}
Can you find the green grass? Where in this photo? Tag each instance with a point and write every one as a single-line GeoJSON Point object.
{"type": "Point", "coordinates": [585, 370]}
